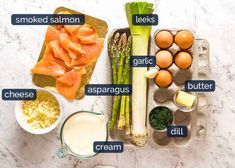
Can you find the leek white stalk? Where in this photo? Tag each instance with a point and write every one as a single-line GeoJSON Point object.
{"type": "Point", "coordinates": [140, 40]}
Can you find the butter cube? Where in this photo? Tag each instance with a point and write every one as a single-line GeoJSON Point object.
{"type": "Point", "coordinates": [185, 99]}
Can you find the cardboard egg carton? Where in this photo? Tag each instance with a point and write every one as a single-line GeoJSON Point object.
{"type": "Point", "coordinates": [195, 121]}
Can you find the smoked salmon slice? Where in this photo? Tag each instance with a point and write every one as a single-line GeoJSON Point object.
{"type": "Point", "coordinates": [92, 53]}
{"type": "Point", "coordinates": [49, 56]}
{"type": "Point", "coordinates": [72, 29]}
{"type": "Point", "coordinates": [68, 44]}
{"type": "Point", "coordinates": [73, 54]}
{"type": "Point", "coordinates": [59, 27]}
{"type": "Point", "coordinates": [87, 34]}
{"type": "Point", "coordinates": [52, 34]}
{"type": "Point", "coordinates": [69, 83]}
{"type": "Point", "coordinates": [48, 66]}
{"type": "Point", "coordinates": [59, 52]}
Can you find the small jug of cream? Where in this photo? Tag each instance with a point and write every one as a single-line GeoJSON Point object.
{"type": "Point", "coordinates": [79, 131]}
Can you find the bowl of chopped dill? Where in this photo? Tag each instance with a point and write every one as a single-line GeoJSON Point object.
{"type": "Point", "coordinates": [160, 118]}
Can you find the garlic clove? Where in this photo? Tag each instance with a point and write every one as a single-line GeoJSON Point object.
{"type": "Point", "coordinates": [151, 73]}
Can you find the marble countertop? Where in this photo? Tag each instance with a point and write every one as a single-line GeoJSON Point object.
{"type": "Point", "coordinates": [20, 45]}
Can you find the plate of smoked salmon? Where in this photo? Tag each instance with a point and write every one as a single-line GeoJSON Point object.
{"type": "Point", "coordinates": [69, 55]}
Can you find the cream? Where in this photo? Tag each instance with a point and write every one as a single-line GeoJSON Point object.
{"type": "Point", "coordinates": [82, 130]}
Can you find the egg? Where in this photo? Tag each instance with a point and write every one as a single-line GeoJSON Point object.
{"type": "Point", "coordinates": [163, 78]}
{"type": "Point", "coordinates": [164, 59]}
{"type": "Point", "coordinates": [184, 39]}
{"type": "Point", "coordinates": [164, 39]}
{"type": "Point", "coordinates": [183, 60]}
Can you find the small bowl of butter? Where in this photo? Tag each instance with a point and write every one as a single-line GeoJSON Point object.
{"type": "Point", "coordinates": [185, 101]}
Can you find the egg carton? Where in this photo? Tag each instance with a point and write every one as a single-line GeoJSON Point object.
{"type": "Point", "coordinates": [195, 121]}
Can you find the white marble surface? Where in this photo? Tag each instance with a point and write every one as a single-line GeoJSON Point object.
{"type": "Point", "coordinates": [19, 49]}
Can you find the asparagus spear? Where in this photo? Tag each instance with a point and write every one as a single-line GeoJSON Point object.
{"type": "Point", "coordinates": [112, 51]}
{"type": "Point", "coordinates": [121, 121]}
{"type": "Point", "coordinates": [127, 115]}
{"type": "Point", "coordinates": [121, 78]}
{"type": "Point", "coordinates": [124, 119]}
{"type": "Point", "coordinates": [113, 47]}
{"type": "Point", "coordinates": [125, 108]}
{"type": "Point", "coordinates": [110, 44]}
{"type": "Point", "coordinates": [121, 51]}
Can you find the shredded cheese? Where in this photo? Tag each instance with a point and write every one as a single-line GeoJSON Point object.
{"type": "Point", "coordinates": [42, 112]}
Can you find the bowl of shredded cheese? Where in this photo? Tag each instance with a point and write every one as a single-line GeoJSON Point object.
{"type": "Point", "coordinates": [39, 116]}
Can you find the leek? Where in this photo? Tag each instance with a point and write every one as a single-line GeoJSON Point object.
{"type": "Point", "coordinates": [140, 39]}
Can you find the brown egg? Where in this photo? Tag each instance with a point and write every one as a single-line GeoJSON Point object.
{"type": "Point", "coordinates": [164, 59]}
{"type": "Point", "coordinates": [163, 78]}
{"type": "Point", "coordinates": [183, 60]}
{"type": "Point", "coordinates": [164, 39]}
{"type": "Point", "coordinates": [184, 39]}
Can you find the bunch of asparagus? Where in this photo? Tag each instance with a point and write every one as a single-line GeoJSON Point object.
{"type": "Point", "coordinates": [119, 48]}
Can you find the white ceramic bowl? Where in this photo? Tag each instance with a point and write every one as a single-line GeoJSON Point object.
{"type": "Point", "coordinates": [27, 127]}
